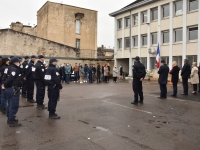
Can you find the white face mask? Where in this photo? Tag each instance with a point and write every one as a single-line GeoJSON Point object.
{"type": "Point", "coordinates": [17, 64]}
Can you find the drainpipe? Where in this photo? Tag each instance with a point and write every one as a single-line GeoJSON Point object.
{"type": "Point", "coordinates": [130, 47]}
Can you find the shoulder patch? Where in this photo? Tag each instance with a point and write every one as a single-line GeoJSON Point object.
{"type": "Point", "coordinates": [26, 66]}
{"type": "Point", "coordinates": [6, 71]}
{"type": "Point", "coordinates": [13, 73]}
{"type": "Point", "coordinates": [57, 74]}
{"type": "Point", "coordinates": [47, 77]}
{"type": "Point", "coordinates": [33, 69]}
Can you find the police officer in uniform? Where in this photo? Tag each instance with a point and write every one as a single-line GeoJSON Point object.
{"type": "Point", "coordinates": [139, 74]}
{"type": "Point", "coordinates": [12, 89]}
{"type": "Point", "coordinates": [40, 82]}
{"type": "Point", "coordinates": [30, 80]}
{"type": "Point", "coordinates": [25, 67]}
{"type": "Point", "coordinates": [52, 78]}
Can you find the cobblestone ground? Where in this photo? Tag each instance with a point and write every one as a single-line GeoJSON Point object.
{"type": "Point", "coordinates": [100, 117]}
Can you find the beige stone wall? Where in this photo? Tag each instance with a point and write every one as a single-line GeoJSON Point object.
{"type": "Point", "coordinates": [56, 22]}
{"type": "Point", "coordinates": [20, 44]}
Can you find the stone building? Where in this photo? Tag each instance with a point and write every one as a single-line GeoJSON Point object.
{"type": "Point", "coordinates": [70, 25]}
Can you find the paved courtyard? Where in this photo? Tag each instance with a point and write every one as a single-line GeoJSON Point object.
{"type": "Point", "coordinates": [100, 117]}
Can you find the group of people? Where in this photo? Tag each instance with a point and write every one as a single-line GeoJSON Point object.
{"type": "Point", "coordinates": [187, 72]}
{"type": "Point", "coordinates": [89, 73]}
{"type": "Point", "coordinates": [15, 76]}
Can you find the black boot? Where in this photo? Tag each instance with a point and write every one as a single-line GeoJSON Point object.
{"type": "Point", "coordinates": [24, 95]}
{"type": "Point", "coordinates": [41, 107]}
{"type": "Point", "coordinates": [54, 116]}
{"type": "Point", "coordinates": [14, 123]}
{"type": "Point", "coordinates": [8, 121]}
{"type": "Point", "coordinates": [3, 111]}
{"type": "Point", "coordinates": [31, 100]}
{"type": "Point", "coordinates": [134, 103]}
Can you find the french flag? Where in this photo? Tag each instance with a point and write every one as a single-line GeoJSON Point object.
{"type": "Point", "coordinates": [158, 57]}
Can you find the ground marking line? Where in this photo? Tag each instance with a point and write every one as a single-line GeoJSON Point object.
{"type": "Point", "coordinates": [129, 107]}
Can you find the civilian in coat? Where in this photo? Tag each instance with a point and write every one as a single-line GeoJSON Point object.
{"type": "Point", "coordinates": [115, 71]}
{"type": "Point", "coordinates": [194, 77]}
{"type": "Point", "coordinates": [186, 71]}
{"type": "Point", "coordinates": [81, 73]}
{"type": "Point", "coordinates": [175, 77]}
{"type": "Point", "coordinates": [163, 79]}
{"type": "Point", "coordinates": [106, 73]}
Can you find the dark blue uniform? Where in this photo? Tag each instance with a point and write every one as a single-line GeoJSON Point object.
{"type": "Point", "coordinates": [24, 88]}
{"type": "Point", "coordinates": [90, 74]}
{"type": "Point", "coordinates": [40, 82]}
{"type": "Point", "coordinates": [138, 73]}
{"type": "Point", "coordinates": [3, 101]}
{"type": "Point", "coordinates": [11, 93]}
{"type": "Point", "coordinates": [30, 80]}
{"type": "Point", "coordinates": [52, 78]}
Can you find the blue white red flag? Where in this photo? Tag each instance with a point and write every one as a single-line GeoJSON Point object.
{"type": "Point", "coordinates": [158, 57]}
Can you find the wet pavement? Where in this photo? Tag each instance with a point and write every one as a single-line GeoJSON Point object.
{"type": "Point", "coordinates": [100, 117]}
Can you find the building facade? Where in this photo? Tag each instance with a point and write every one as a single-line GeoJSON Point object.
{"type": "Point", "coordinates": [70, 25]}
{"type": "Point", "coordinates": [143, 25]}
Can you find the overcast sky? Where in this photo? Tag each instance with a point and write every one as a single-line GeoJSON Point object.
{"type": "Point", "coordinates": [25, 11]}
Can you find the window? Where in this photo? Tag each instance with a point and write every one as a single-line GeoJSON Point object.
{"type": "Point", "coordinates": [166, 59]}
{"type": "Point", "coordinates": [165, 11]}
{"type": "Point", "coordinates": [127, 43]}
{"type": "Point", "coordinates": [193, 33]}
{"type": "Point", "coordinates": [193, 5]}
{"type": "Point", "coordinates": [78, 43]}
{"type": "Point", "coordinates": [119, 41]}
{"type": "Point", "coordinates": [135, 41]}
{"type": "Point", "coordinates": [154, 14]}
{"type": "Point", "coordinates": [165, 36]}
{"type": "Point", "coordinates": [144, 40]}
{"type": "Point", "coordinates": [143, 60]}
{"type": "Point", "coordinates": [154, 38]}
{"type": "Point", "coordinates": [135, 20]}
{"type": "Point", "coordinates": [127, 22]}
{"type": "Point", "coordinates": [178, 8]}
{"type": "Point", "coordinates": [78, 27]}
{"type": "Point", "coordinates": [144, 17]}
{"type": "Point", "coordinates": [152, 62]}
{"type": "Point", "coordinates": [119, 24]}
{"type": "Point", "coordinates": [178, 35]}
{"type": "Point", "coordinates": [191, 59]}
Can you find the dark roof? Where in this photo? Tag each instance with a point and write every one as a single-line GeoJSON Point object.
{"type": "Point", "coordinates": [136, 4]}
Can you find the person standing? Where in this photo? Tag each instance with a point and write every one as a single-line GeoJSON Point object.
{"type": "Point", "coordinates": [102, 71]}
{"type": "Point", "coordinates": [163, 79]}
{"type": "Point", "coordinates": [115, 71]}
{"type": "Point", "coordinates": [3, 75]}
{"type": "Point", "coordinates": [25, 67]}
{"type": "Point", "coordinates": [90, 73]}
{"type": "Point", "coordinates": [175, 77]}
{"type": "Point", "coordinates": [121, 72]}
{"type": "Point", "coordinates": [98, 73]}
{"type": "Point", "coordinates": [67, 73]}
{"type": "Point", "coordinates": [38, 75]}
{"type": "Point", "coordinates": [106, 73]}
{"type": "Point", "coordinates": [94, 70]}
{"type": "Point", "coordinates": [139, 74]}
{"type": "Point", "coordinates": [185, 73]}
{"type": "Point", "coordinates": [52, 78]}
{"type": "Point", "coordinates": [30, 80]}
{"type": "Point", "coordinates": [71, 72]}
{"type": "Point", "coordinates": [86, 73]}
{"type": "Point", "coordinates": [194, 77]}
{"type": "Point", "coordinates": [12, 86]}
{"type": "Point", "coordinates": [76, 72]}
{"type": "Point", "coordinates": [81, 73]}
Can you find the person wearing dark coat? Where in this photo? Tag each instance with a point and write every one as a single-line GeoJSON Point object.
{"type": "Point", "coordinates": [199, 77]}
{"type": "Point", "coordinates": [175, 77]}
{"type": "Point", "coordinates": [186, 71]}
{"type": "Point", "coordinates": [163, 79]}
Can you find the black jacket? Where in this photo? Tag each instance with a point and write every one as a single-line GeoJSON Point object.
{"type": "Point", "coordinates": [12, 75]}
{"type": "Point", "coordinates": [163, 74]}
{"type": "Point", "coordinates": [39, 72]}
{"type": "Point", "coordinates": [94, 70]}
{"type": "Point", "coordinates": [29, 74]}
{"type": "Point", "coordinates": [2, 69]}
{"type": "Point", "coordinates": [52, 77]}
{"type": "Point", "coordinates": [199, 71]}
{"type": "Point", "coordinates": [98, 69]}
{"type": "Point", "coordinates": [102, 69]}
{"type": "Point", "coordinates": [186, 71]}
{"type": "Point", "coordinates": [175, 74]}
{"type": "Point", "coordinates": [139, 70]}
{"type": "Point", "coordinates": [25, 66]}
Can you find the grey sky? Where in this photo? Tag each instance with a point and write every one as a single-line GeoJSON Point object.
{"type": "Point", "coordinates": [25, 11]}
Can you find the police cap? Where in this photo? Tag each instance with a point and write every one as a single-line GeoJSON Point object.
{"type": "Point", "coordinates": [4, 59]}
{"type": "Point", "coordinates": [0, 56]}
{"type": "Point", "coordinates": [19, 57]}
{"type": "Point", "coordinates": [40, 56]}
{"type": "Point", "coordinates": [52, 60]}
{"type": "Point", "coordinates": [14, 59]}
{"type": "Point", "coordinates": [26, 57]}
{"type": "Point", "coordinates": [33, 56]}
{"type": "Point", "coordinates": [137, 58]}
{"type": "Point", "coordinates": [11, 57]}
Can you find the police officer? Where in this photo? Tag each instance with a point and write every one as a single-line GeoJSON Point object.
{"type": "Point", "coordinates": [25, 67]}
{"type": "Point", "coordinates": [139, 74]}
{"type": "Point", "coordinates": [40, 82]}
{"type": "Point", "coordinates": [30, 80]}
{"type": "Point", "coordinates": [12, 90]}
{"type": "Point", "coordinates": [3, 73]}
{"type": "Point", "coordinates": [52, 78]}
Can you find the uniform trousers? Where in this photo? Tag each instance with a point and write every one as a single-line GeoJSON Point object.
{"type": "Point", "coordinates": [40, 92]}
{"type": "Point", "coordinates": [137, 89]}
{"type": "Point", "coordinates": [53, 95]}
